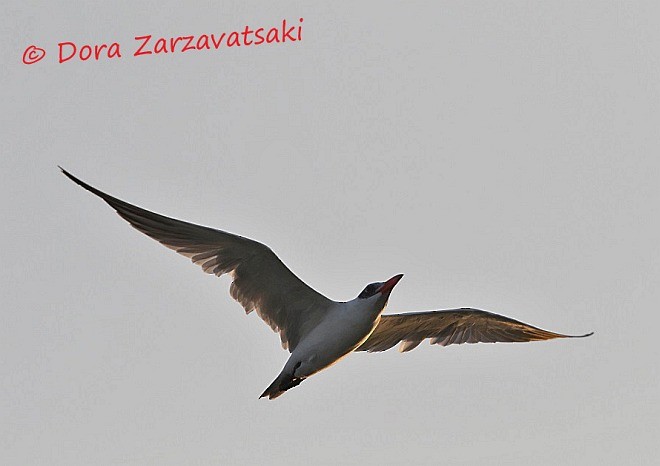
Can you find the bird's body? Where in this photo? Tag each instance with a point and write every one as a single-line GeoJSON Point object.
{"type": "Point", "coordinates": [344, 327]}
{"type": "Point", "coordinates": [316, 330]}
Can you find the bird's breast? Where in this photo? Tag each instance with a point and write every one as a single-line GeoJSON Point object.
{"type": "Point", "coordinates": [340, 332]}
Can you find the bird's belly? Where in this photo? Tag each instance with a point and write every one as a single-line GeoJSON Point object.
{"type": "Point", "coordinates": [333, 339]}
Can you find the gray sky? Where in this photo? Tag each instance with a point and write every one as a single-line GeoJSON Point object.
{"type": "Point", "coordinates": [503, 155]}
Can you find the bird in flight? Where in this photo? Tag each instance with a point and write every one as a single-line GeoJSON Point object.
{"type": "Point", "coordinates": [317, 331]}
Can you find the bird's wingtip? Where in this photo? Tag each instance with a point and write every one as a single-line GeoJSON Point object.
{"type": "Point", "coordinates": [86, 186]}
{"type": "Point", "coordinates": [66, 173]}
{"type": "Point", "coordinates": [582, 336]}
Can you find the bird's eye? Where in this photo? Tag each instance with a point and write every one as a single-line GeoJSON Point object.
{"type": "Point", "coordinates": [369, 291]}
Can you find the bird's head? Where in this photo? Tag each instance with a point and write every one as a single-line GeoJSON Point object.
{"type": "Point", "coordinates": [380, 291]}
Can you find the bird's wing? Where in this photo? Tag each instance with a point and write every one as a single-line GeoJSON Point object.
{"type": "Point", "coordinates": [261, 282]}
{"type": "Point", "coordinates": [454, 326]}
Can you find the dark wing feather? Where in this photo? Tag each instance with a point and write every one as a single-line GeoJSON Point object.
{"type": "Point", "coordinates": [455, 326]}
{"type": "Point", "coordinates": [261, 282]}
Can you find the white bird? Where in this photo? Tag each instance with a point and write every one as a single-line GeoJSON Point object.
{"type": "Point", "coordinates": [317, 331]}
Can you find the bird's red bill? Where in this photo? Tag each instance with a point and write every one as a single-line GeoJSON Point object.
{"type": "Point", "coordinates": [389, 284]}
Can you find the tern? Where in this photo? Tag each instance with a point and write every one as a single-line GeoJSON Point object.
{"type": "Point", "coordinates": [317, 331]}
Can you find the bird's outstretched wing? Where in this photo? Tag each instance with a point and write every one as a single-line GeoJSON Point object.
{"type": "Point", "coordinates": [261, 282]}
{"type": "Point", "coordinates": [454, 326]}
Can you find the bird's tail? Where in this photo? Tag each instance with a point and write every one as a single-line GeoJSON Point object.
{"type": "Point", "coordinates": [282, 383]}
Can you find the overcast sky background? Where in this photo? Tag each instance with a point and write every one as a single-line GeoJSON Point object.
{"type": "Point", "coordinates": [503, 155]}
